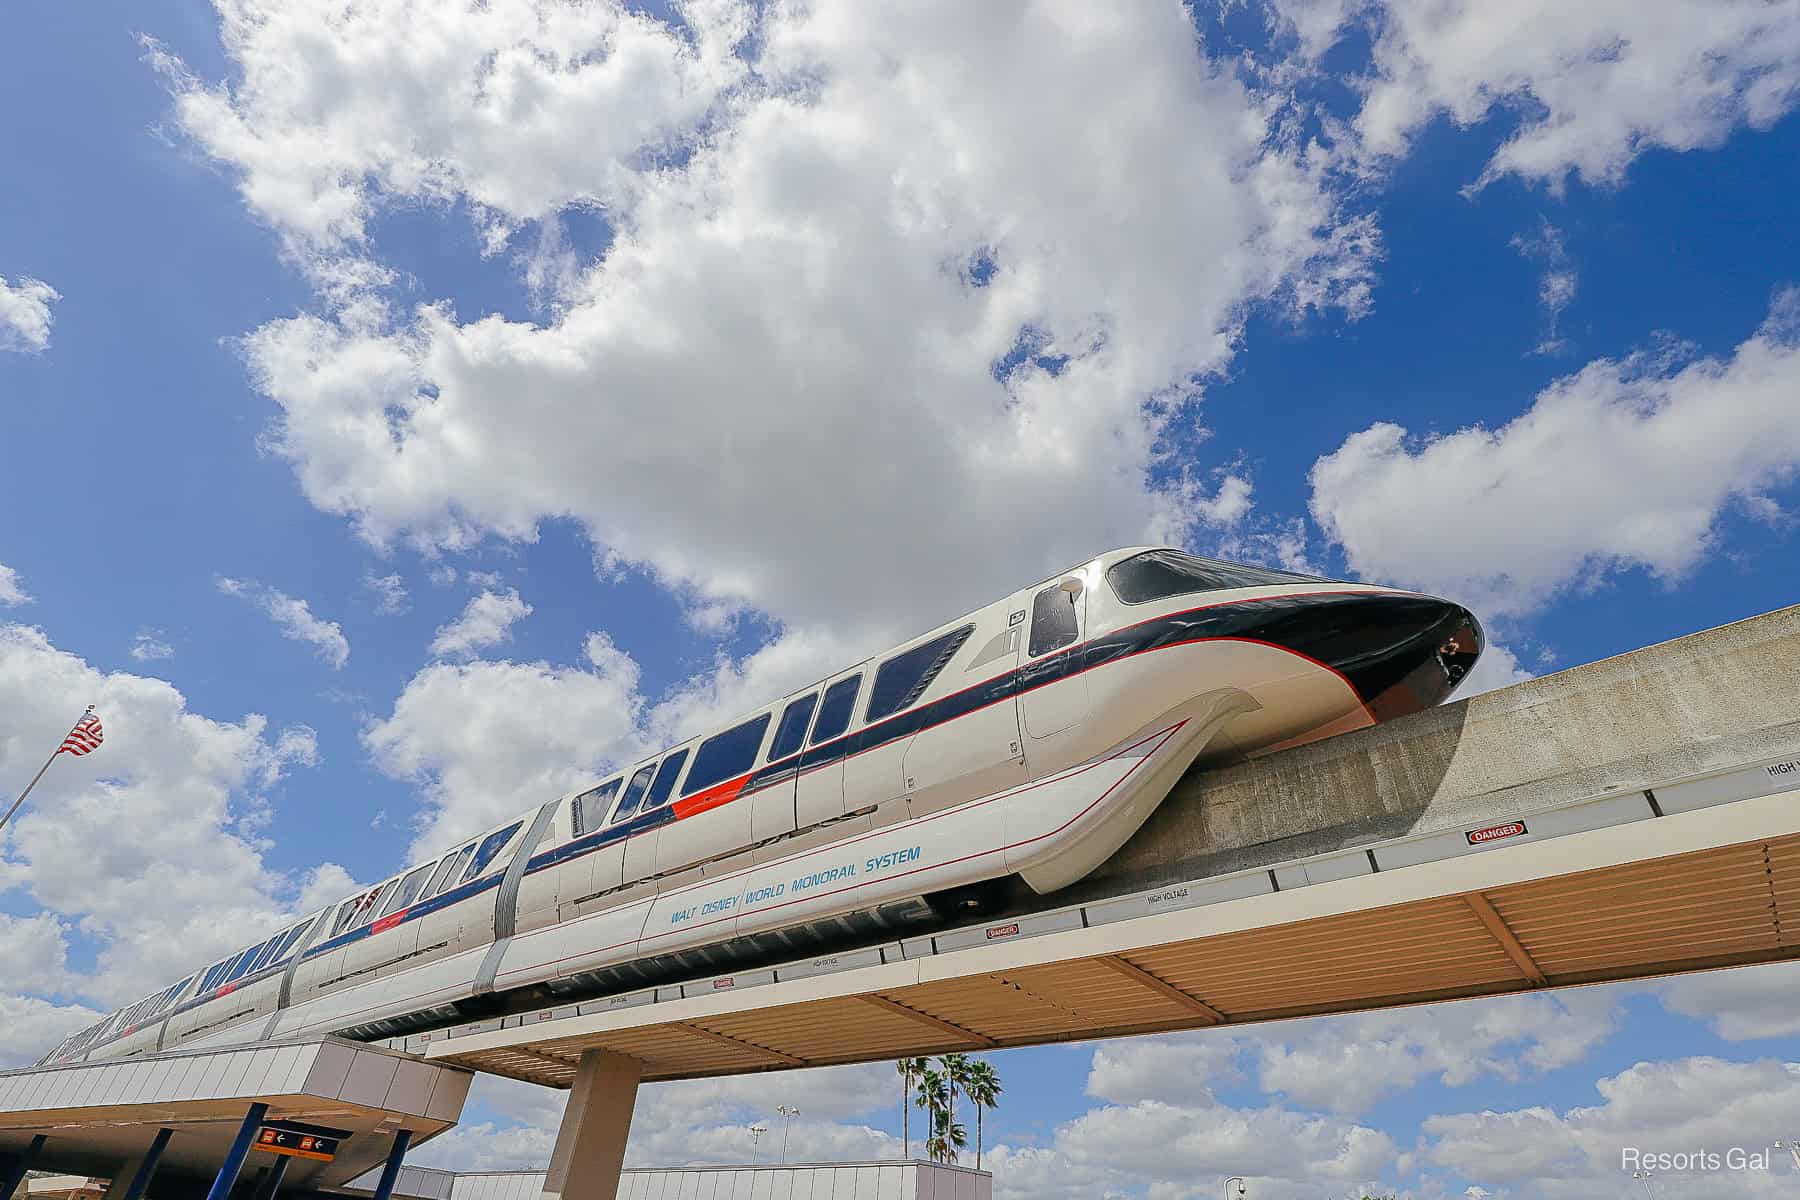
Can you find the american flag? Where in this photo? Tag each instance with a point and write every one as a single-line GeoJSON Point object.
{"type": "Point", "coordinates": [85, 738]}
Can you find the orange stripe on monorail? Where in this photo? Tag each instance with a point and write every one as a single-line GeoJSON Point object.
{"type": "Point", "coordinates": [712, 797]}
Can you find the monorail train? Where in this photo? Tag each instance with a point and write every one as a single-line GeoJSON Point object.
{"type": "Point", "coordinates": [1026, 740]}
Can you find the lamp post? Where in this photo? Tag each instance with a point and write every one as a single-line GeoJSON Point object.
{"type": "Point", "coordinates": [1792, 1146]}
{"type": "Point", "coordinates": [1241, 1189]}
{"type": "Point", "coordinates": [788, 1112]}
{"type": "Point", "coordinates": [1643, 1177]}
{"type": "Point", "coordinates": [756, 1132]}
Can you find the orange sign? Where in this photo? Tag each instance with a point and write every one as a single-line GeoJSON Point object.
{"type": "Point", "coordinates": [296, 1145]}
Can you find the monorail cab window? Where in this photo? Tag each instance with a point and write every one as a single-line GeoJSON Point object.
{"type": "Point", "coordinates": [1160, 574]}
{"type": "Point", "coordinates": [633, 798]}
{"type": "Point", "coordinates": [835, 709]}
{"type": "Point", "coordinates": [587, 812]}
{"type": "Point", "coordinates": [1054, 621]}
{"type": "Point", "coordinates": [790, 734]}
{"type": "Point", "coordinates": [409, 889]}
{"type": "Point", "coordinates": [726, 755]}
{"type": "Point", "coordinates": [902, 679]}
{"type": "Point", "coordinates": [446, 870]}
{"type": "Point", "coordinates": [663, 786]}
{"type": "Point", "coordinates": [490, 847]}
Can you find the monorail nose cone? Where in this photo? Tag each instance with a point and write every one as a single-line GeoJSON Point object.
{"type": "Point", "coordinates": [1418, 650]}
{"type": "Point", "coordinates": [1401, 652]}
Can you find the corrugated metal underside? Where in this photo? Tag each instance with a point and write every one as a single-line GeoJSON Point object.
{"type": "Point", "coordinates": [1718, 907]}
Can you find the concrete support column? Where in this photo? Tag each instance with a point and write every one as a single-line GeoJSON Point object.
{"type": "Point", "coordinates": [234, 1158]}
{"type": "Point", "coordinates": [590, 1146]}
{"type": "Point", "coordinates": [13, 1167]}
{"type": "Point", "coordinates": [133, 1176]}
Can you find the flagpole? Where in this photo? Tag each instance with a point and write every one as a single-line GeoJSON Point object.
{"type": "Point", "coordinates": [42, 769]}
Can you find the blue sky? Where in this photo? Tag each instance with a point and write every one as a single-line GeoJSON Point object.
{"type": "Point", "coordinates": [413, 409]}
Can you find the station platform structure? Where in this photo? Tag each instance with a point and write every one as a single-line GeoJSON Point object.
{"type": "Point", "coordinates": [189, 1123]}
{"type": "Point", "coordinates": [912, 1179]}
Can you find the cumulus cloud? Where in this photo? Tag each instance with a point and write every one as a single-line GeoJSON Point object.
{"type": "Point", "coordinates": [1683, 1106]}
{"type": "Point", "coordinates": [25, 316]}
{"type": "Point", "coordinates": [390, 593]}
{"type": "Point", "coordinates": [691, 1122]}
{"type": "Point", "coordinates": [1509, 517]}
{"type": "Point", "coordinates": [487, 620]}
{"type": "Point", "coordinates": [488, 740]}
{"type": "Point", "coordinates": [11, 590]}
{"type": "Point", "coordinates": [30, 1025]}
{"type": "Point", "coordinates": [1557, 286]}
{"type": "Point", "coordinates": [107, 844]}
{"type": "Point", "coordinates": [936, 324]}
{"type": "Point", "coordinates": [1348, 1064]}
{"type": "Point", "coordinates": [294, 618]}
{"type": "Point", "coordinates": [151, 645]}
{"type": "Point", "coordinates": [1740, 1005]}
{"type": "Point", "coordinates": [1593, 85]}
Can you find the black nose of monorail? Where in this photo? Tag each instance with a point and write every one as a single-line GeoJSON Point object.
{"type": "Point", "coordinates": [1401, 653]}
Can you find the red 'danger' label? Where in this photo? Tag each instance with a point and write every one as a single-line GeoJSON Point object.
{"type": "Point", "coordinates": [1494, 833]}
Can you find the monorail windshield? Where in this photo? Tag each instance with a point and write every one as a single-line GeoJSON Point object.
{"type": "Point", "coordinates": [1159, 574]}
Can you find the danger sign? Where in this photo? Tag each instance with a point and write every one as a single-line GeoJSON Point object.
{"type": "Point", "coordinates": [1494, 833]}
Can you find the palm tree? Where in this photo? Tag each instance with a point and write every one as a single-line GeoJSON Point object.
{"type": "Point", "coordinates": [956, 1079]}
{"type": "Point", "coordinates": [910, 1069]}
{"type": "Point", "coordinates": [982, 1085]}
{"type": "Point", "coordinates": [947, 1138]}
{"type": "Point", "coordinates": [934, 1098]}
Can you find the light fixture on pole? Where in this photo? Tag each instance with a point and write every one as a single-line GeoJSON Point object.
{"type": "Point", "coordinates": [1241, 1189]}
{"type": "Point", "coordinates": [756, 1132]}
{"type": "Point", "coordinates": [1792, 1146]}
{"type": "Point", "coordinates": [1644, 1178]}
{"type": "Point", "coordinates": [788, 1112]}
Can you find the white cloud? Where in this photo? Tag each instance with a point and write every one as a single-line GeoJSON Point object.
{"type": "Point", "coordinates": [25, 316]}
{"type": "Point", "coordinates": [390, 593]}
{"type": "Point", "coordinates": [151, 645]}
{"type": "Point", "coordinates": [30, 1026]}
{"type": "Point", "coordinates": [1188, 1150]}
{"type": "Point", "coordinates": [11, 590]}
{"type": "Point", "coordinates": [778, 387]}
{"type": "Point", "coordinates": [1684, 1106]}
{"type": "Point", "coordinates": [1497, 667]}
{"type": "Point", "coordinates": [1556, 289]}
{"type": "Point", "coordinates": [676, 1124]}
{"type": "Point", "coordinates": [107, 845]}
{"type": "Point", "coordinates": [1746, 1003]}
{"type": "Point", "coordinates": [294, 618]}
{"type": "Point", "coordinates": [487, 620]}
{"type": "Point", "coordinates": [488, 740]}
{"type": "Point", "coordinates": [1594, 84]}
{"type": "Point", "coordinates": [1624, 464]}
{"type": "Point", "coordinates": [1348, 1064]}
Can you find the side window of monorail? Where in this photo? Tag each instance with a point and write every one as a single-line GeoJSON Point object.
{"type": "Point", "coordinates": [491, 845]}
{"type": "Point", "coordinates": [1053, 621]}
{"type": "Point", "coordinates": [726, 754]}
{"type": "Point", "coordinates": [902, 679]}
{"type": "Point", "coordinates": [347, 913]}
{"type": "Point", "coordinates": [290, 939]}
{"type": "Point", "coordinates": [408, 891]}
{"type": "Point", "coordinates": [664, 786]}
{"type": "Point", "coordinates": [367, 914]}
{"type": "Point", "coordinates": [214, 973]}
{"type": "Point", "coordinates": [442, 874]}
{"type": "Point", "coordinates": [241, 963]}
{"type": "Point", "coordinates": [834, 709]}
{"type": "Point", "coordinates": [1159, 574]}
{"type": "Point", "coordinates": [587, 812]}
{"type": "Point", "coordinates": [790, 735]}
{"type": "Point", "coordinates": [634, 793]}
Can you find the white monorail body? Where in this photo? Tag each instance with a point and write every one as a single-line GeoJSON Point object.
{"type": "Point", "coordinates": [1030, 738]}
